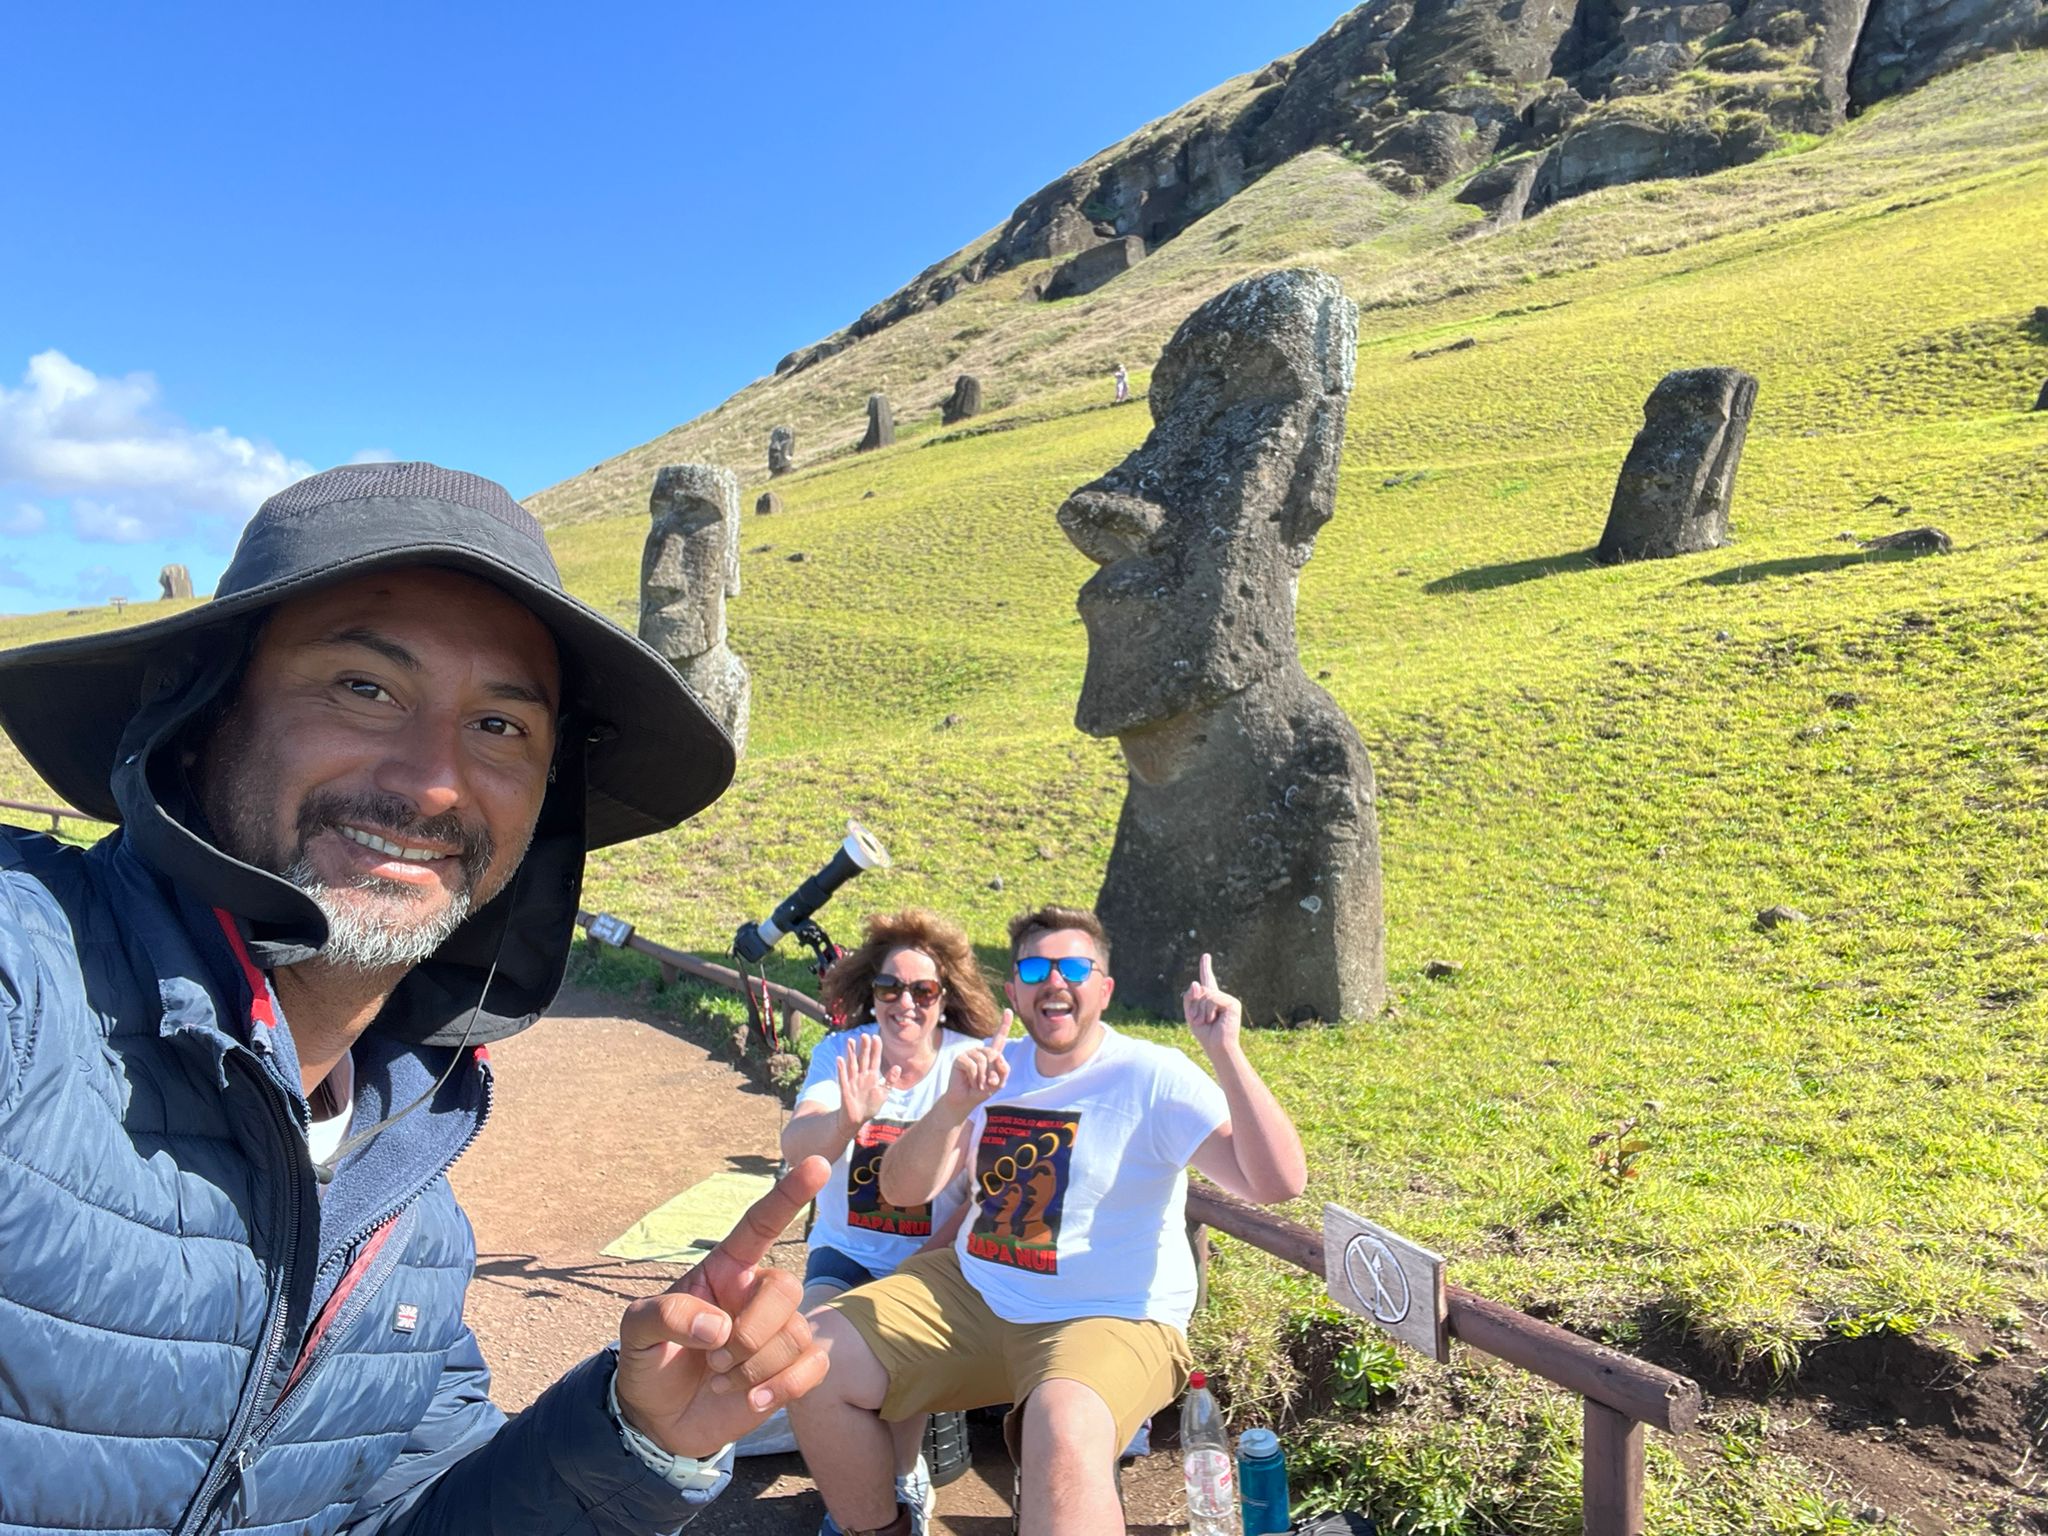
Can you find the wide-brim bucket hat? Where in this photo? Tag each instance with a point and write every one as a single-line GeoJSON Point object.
{"type": "Point", "coordinates": [654, 757]}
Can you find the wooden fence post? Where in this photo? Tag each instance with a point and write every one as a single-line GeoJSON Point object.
{"type": "Point", "coordinates": [1612, 1481]}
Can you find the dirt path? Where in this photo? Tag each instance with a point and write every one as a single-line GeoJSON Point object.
{"type": "Point", "coordinates": [599, 1118]}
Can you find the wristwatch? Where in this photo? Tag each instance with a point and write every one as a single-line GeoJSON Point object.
{"type": "Point", "coordinates": [684, 1473]}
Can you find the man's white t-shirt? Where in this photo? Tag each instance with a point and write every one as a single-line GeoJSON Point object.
{"type": "Point", "coordinates": [852, 1215]}
{"type": "Point", "coordinates": [1081, 1183]}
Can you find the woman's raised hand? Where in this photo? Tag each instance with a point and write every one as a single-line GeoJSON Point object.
{"type": "Point", "coordinates": [862, 1088]}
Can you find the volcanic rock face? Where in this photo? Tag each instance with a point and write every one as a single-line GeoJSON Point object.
{"type": "Point", "coordinates": [1094, 267]}
{"type": "Point", "coordinates": [1249, 829]}
{"type": "Point", "coordinates": [690, 566]}
{"type": "Point", "coordinates": [1673, 494]}
{"type": "Point", "coordinates": [1594, 92]}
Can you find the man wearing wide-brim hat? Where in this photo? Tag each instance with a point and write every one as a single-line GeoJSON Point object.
{"type": "Point", "coordinates": [241, 1042]}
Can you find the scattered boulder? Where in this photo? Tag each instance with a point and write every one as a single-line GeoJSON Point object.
{"type": "Point", "coordinates": [1249, 827]}
{"type": "Point", "coordinates": [1673, 493]}
{"type": "Point", "coordinates": [781, 450]}
{"type": "Point", "coordinates": [175, 581]}
{"type": "Point", "coordinates": [1779, 917]}
{"type": "Point", "coordinates": [881, 431]}
{"type": "Point", "coordinates": [1094, 267]}
{"type": "Point", "coordinates": [690, 566]}
{"type": "Point", "coordinates": [1911, 541]}
{"type": "Point", "coordinates": [767, 504]}
{"type": "Point", "coordinates": [2041, 400]}
{"type": "Point", "coordinates": [817, 352]}
{"type": "Point", "coordinates": [995, 882]}
{"type": "Point", "coordinates": [1441, 970]}
{"type": "Point", "coordinates": [965, 401]}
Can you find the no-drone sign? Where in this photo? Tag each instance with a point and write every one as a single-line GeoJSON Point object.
{"type": "Point", "coordinates": [1382, 1276]}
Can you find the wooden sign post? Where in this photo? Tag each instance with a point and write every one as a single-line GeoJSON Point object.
{"type": "Point", "coordinates": [1382, 1276]}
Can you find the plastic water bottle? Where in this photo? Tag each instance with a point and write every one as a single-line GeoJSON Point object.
{"type": "Point", "coordinates": [1205, 1463]}
{"type": "Point", "coordinates": [1262, 1482]}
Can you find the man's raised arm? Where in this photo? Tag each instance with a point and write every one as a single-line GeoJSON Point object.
{"type": "Point", "coordinates": [1257, 1154]}
{"type": "Point", "coordinates": [921, 1160]}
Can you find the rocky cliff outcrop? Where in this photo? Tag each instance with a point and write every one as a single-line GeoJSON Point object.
{"type": "Point", "coordinates": [1546, 99]}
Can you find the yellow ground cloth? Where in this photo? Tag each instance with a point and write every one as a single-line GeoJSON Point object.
{"type": "Point", "coordinates": [682, 1231]}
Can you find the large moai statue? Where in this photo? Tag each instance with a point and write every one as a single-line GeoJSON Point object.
{"type": "Point", "coordinates": [881, 424]}
{"type": "Point", "coordinates": [690, 567]}
{"type": "Point", "coordinates": [174, 581]}
{"type": "Point", "coordinates": [965, 401]}
{"type": "Point", "coordinates": [781, 450]}
{"type": "Point", "coordinates": [1673, 493]}
{"type": "Point", "coordinates": [1249, 828]}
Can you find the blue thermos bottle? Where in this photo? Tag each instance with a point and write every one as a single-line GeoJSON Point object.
{"type": "Point", "coordinates": [1262, 1482]}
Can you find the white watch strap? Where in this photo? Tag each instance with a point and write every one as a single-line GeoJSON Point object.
{"type": "Point", "coordinates": [685, 1473]}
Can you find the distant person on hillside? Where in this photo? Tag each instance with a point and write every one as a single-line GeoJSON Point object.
{"type": "Point", "coordinates": [921, 1001]}
{"type": "Point", "coordinates": [242, 1043]}
{"type": "Point", "coordinates": [1123, 385]}
{"type": "Point", "coordinates": [1069, 1287]}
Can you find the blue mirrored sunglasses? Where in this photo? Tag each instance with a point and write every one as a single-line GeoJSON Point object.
{"type": "Point", "coordinates": [1033, 969]}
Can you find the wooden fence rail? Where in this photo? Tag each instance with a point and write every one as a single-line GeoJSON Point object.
{"type": "Point", "coordinates": [56, 813]}
{"type": "Point", "coordinates": [1622, 1393]}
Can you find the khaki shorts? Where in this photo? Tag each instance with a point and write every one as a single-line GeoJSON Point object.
{"type": "Point", "coordinates": [944, 1349]}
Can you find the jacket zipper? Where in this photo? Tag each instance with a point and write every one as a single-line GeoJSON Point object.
{"type": "Point", "coordinates": [229, 1457]}
{"type": "Point", "coordinates": [207, 1509]}
{"type": "Point", "coordinates": [371, 1283]}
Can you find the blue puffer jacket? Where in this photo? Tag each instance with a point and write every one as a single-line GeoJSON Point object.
{"type": "Point", "coordinates": [191, 1337]}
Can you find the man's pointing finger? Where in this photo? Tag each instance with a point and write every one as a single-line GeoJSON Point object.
{"type": "Point", "coordinates": [747, 1244]}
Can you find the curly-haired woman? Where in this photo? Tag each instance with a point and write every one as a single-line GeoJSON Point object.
{"type": "Point", "coordinates": [915, 984]}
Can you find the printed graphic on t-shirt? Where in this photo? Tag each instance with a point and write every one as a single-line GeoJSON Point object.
{"type": "Point", "coordinates": [1021, 1173]}
{"type": "Point", "coordinates": [865, 1206]}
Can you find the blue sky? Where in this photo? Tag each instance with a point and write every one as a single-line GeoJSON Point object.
{"type": "Point", "coordinates": [241, 243]}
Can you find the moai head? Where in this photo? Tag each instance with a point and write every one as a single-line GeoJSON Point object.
{"type": "Point", "coordinates": [691, 564]}
{"type": "Point", "coordinates": [1202, 533]}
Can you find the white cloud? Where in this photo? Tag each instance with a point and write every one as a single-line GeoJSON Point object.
{"type": "Point", "coordinates": [26, 518]}
{"type": "Point", "coordinates": [144, 473]}
{"type": "Point", "coordinates": [373, 456]}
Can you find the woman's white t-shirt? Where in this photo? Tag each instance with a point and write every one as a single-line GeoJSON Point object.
{"type": "Point", "coordinates": [852, 1216]}
{"type": "Point", "coordinates": [1081, 1183]}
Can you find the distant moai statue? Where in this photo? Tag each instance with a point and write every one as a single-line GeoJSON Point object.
{"type": "Point", "coordinates": [1673, 493]}
{"type": "Point", "coordinates": [781, 450]}
{"type": "Point", "coordinates": [965, 401]}
{"type": "Point", "coordinates": [1249, 828]}
{"type": "Point", "coordinates": [690, 566]}
{"type": "Point", "coordinates": [881, 425]}
{"type": "Point", "coordinates": [767, 504]}
{"type": "Point", "coordinates": [175, 581]}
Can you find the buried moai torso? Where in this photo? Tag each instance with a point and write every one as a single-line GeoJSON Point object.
{"type": "Point", "coordinates": [1672, 495]}
{"type": "Point", "coordinates": [1248, 829]}
{"type": "Point", "coordinates": [690, 566]}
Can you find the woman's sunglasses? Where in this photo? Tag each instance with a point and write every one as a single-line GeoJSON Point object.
{"type": "Point", "coordinates": [923, 993]}
{"type": "Point", "coordinates": [1033, 969]}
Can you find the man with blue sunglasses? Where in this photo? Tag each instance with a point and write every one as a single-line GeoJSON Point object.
{"type": "Point", "coordinates": [1068, 1290]}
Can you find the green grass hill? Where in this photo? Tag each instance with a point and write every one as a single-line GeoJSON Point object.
{"type": "Point", "coordinates": [1592, 779]}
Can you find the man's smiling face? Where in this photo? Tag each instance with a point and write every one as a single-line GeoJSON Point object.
{"type": "Point", "coordinates": [1062, 1017]}
{"type": "Point", "coordinates": [387, 753]}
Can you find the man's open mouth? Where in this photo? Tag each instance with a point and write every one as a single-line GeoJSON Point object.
{"type": "Point", "coordinates": [412, 854]}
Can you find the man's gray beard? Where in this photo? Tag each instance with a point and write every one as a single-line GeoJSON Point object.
{"type": "Point", "coordinates": [363, 941]}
